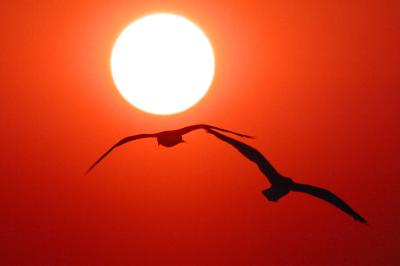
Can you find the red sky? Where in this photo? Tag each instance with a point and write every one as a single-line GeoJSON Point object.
{"type": "Point", "coordinates": [317, 82]}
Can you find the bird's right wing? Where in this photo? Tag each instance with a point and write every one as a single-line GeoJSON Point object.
{"type": "Point", "coordinates": [187, 129]}
{"type": "Point", "coordinates": [119, 143]}
{"type": "Point", "coordinates": [250, 153]}
{"type": "Point", "coordinates": [328, 196]}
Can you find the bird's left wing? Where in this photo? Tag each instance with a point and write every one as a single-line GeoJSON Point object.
{"type": "Point", "coordinates": [328, 196]}
{"type": "Point", "coordinates": [187, 129]}
{"type": "Point", "coordinates": [119, 143]}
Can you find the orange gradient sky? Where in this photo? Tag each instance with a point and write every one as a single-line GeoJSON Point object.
{"type": "Point", "coordinates": [317, 83]}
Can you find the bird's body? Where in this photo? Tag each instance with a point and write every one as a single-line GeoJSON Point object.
{"type": "Point", "coordinates": [282, 185]}
{"type": "Point", "coordinates": [167, 138]}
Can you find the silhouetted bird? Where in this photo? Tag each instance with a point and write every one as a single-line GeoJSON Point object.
{"type": "Point", "coordinates": [281, 185]}
{"type": "Point", "coordinates": [168, 138]}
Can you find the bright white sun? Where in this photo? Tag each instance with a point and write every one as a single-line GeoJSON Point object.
{"type": "Point", "coordinates": [162, 64]}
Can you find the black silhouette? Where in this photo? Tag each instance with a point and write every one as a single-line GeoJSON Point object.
{"type": "Point", "coordinates": [281, 185]}
{"type": "Point", "coordinates": [168, 138]}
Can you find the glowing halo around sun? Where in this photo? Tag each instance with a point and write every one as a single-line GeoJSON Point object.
{"type": "Point", "coordinates": [162, 64]}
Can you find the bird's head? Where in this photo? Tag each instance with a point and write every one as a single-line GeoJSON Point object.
{"type": "Point", "coordinates": [177, 139]}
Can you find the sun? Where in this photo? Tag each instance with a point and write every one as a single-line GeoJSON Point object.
{"type": "Point", "coordinates": [162, 64]}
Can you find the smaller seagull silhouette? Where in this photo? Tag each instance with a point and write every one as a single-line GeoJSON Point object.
{"type": "Point", "coordinates": [281, 185]}
{"type": "Point", "coordinates": [168, 138]}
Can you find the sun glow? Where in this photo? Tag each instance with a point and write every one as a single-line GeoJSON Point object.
{"type": "Point", "coordinates": [162, 64]}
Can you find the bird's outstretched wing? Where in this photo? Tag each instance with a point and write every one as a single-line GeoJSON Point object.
{"type": "Point", "coordinates": [119, 143]}
{"type": "Point", "coordinates": [328, 196]}
{"type": "Point", "coordinates": [252, 154]}
{"type": "Point", "coordinates": [187, 129]}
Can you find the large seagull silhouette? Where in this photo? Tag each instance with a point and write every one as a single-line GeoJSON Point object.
{"type": "Point", "coordinates": [281, 185]}
{"type": "Point", "coordinates": [168, 138]}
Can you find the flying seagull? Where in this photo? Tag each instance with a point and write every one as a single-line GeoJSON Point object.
{"type": "Point", "coordinates": [281, 185]}
{"type": "Point", "coordinates": [168, 138]}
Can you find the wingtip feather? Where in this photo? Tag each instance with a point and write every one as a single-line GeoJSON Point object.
{"type": "Point", "coordinates": [88, 170]}
{"type": "Point", "coordinates": [361, 220]}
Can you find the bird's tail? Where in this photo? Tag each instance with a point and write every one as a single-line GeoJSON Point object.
{"type": "Point", "coordinates": [275, 192]}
